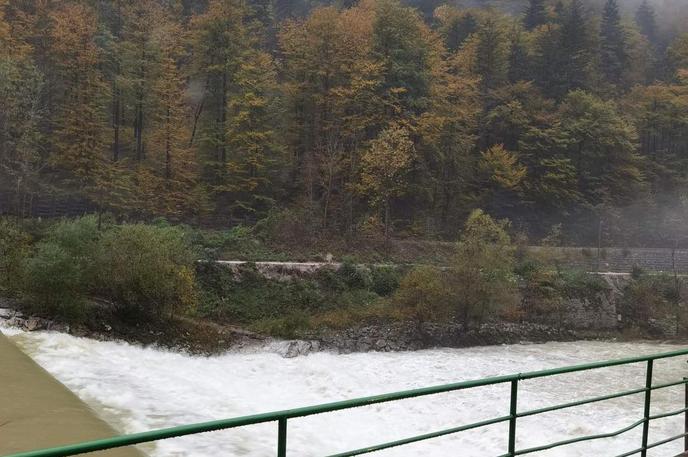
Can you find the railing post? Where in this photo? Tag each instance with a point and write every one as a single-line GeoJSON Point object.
{"type": "Point", "coordinates": [282, 437]}
{"type": "Point", "coordinates": [513, 408]}
{"type": "Point", "coordinates": [646, 414]}
{"type": "Point", "coordinates": [685, 415]}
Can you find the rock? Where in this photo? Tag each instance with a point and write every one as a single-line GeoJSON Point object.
{"type": "Point", "coordinates": [363, 346]}
{"type": "Point", "coordinates": [35, 323]}
{"type": "Point", "coordinates": [299, 347]}
{"type": "Point", "coordinates": [58, 327]}
{"type": "Point", "coordinates": [6, 313]}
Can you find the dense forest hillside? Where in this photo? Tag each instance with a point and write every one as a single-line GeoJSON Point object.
{"type": "Point", "coordinates": [371, 118]}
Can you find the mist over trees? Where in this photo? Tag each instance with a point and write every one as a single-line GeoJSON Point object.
{"type": "Point", "coordinates": [360, 118]}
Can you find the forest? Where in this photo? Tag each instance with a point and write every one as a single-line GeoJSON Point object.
{"type": "Point", "coordinates": [370, 118]}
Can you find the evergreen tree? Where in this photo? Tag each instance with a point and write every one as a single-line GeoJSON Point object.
{"type": "Point", "coordinates": [401, 42]}
{"type": "Point", "coordinates": [455, 26]}
{"type": "Point", "coordinates": [220, 38]}
{"type": "Point", "coordinates": [492, 63]}
{"type": "Point", "coordinates": [254, 147]}
{"type": "Point", "coordinates": [80, 120]}
{"type": "Point", "coordinates": [613, 47]}
{"type": "Point", "coordinates": [574, 49]}
{"type": "Point", "coordinates": [519, 59]}
{"type": "Point", "coordinates": [536, 14]}
{"type": "Point", "coordinates": [601, 145]}
{"type": "Point", "coordinates": [646, 20]}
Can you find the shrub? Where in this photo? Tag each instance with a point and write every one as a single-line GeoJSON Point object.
{"type": "Point", "coordinates": [355, 276]}
{"type": "Point", "coordinates": [14, 248]}
{"type": "Point", "coordinates": [637, 272]}
{"type": "Point", "coordinates": [147, 268]}
{"type": "Point", "coordinates": [54, 282]}
{"type": "Point", "coordinates": [423, 296]}
{"type": "Point", "coordinates": [385, 280]}
{"type": "Point", "coordinates": [581, 284]}
{"type": "Point", "coordinates": [649, 297]}
{"type": "Point", "coordinates": [79, 237]}
{"type": "Point", "coordinates": [289, 326]}
{"type": "Point", "coordinates": [289, 226]}
{"type": "Point", "coordinates": [61, 272]}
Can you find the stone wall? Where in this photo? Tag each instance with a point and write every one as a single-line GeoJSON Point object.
{"type": "Point", "coordinates": [620, 260]}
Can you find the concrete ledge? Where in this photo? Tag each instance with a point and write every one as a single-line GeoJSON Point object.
{"type": "Point", "coordinates": [37, 411]}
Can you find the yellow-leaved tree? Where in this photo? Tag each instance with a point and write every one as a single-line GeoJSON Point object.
{"type": "Point", "coordinates": [385, 166]}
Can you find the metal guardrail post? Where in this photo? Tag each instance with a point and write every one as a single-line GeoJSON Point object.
{"type": "Point", "coordinates": [685, 415]}
{"type": "Point", "coordinates": [282, 438]}
{"type": "Point", "coordinates": [513, 410]}
{"type": "Point", "coordinates": [646, 414]}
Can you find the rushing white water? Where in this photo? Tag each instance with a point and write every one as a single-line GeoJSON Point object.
{"type": "Point", "coordinates": [139, 389]}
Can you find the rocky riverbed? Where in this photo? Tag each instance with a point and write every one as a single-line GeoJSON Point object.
{"type": "Point", "coordinates": [204, 337]}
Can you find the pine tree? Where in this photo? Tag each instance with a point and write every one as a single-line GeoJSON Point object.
{"type": "Point", "coordinates": [574, 51]}
{"type": "Point", "coordinates": [492, 54]}
{"type": "Point", "coordinates": [613, 48]}
{"type": "Point", "coordinates": [80, 121]}
{"type": "Point", "coordinates": [254, 146]}
{"type": "Point", "coordinates": [536, 14]}
{"type": "Point", "coordinates": [220, 41]}
{"type": "Point", "coordinates": [401, 42]}
{"type": "Point", "coordinates": [455, 26]}
{"type": "Point", "coordinates": [520, 65]}
{"type": "Point", "coordinates": [21, 85]}
{"type": "Point", "coordinates": [168, 177]}
{"type": "Point", "coordinates": [646, 20]}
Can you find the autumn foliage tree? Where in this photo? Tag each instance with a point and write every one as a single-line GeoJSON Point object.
{"type": "Point", "coordinates": [385, 167]}
{"type": "Point", "coordinates": [222, 111]}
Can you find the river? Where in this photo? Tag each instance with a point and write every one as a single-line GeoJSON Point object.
{"type": "Point", "coordinates": [138, 389]}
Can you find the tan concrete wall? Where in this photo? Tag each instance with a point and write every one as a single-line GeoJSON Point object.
{"type": "Point", "coordinates": [37, 411]}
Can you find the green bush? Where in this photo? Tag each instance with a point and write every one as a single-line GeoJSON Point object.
{"type": "Point", "coordinates": [385, 280]}
{"type": "Point", "coordinates": [650, 296]}
{"type": "Point", "coordinates": [14, 248]}
{"type": "Point", "coordinates": [581, 284]}
{"type": "Point", "coordinates": [54, 282]}
{"type": "Point", "coordinates": [422, 295]}
{"type": "Point", "coordinates": [289, 326]}
{"type": "Point", "coordinates": [144, 268]}
{"type": "Point", "coordinates": [60, 273]}
{"type": "Point", "coordinates": [355, 276]}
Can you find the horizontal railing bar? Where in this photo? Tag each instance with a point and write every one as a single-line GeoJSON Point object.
{"type": "Point", "coordinates": [664, 415]}
{"type": "Point", "coordinates": [505, 418]}
{"type": "Point", "coordinates": [578, 440]}
{"type": "Point", "coordinates": [609, 435]}
{"type": "Point", "coordinates": [183, 430]}
{"type": "Point", "coordinates": [655, 444]}
{"type": "Point", "coordinates": [423, 437]}
{"type": "Point", "coordinates": [597, 399]}
{"type": "Point", "coordinates": [579, 403]}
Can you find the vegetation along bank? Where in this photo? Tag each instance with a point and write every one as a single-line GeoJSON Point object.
{"type": "Point", "coordinates": [156, 283]}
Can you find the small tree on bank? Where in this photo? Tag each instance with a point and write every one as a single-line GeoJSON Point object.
{"type": "Point", "coordinates": [480, 281]}
{"type": "Point", "coordinates": [481, 278]}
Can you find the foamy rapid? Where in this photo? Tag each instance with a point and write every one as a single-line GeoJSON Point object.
{"type": "Point", "coordinates": [138, 389]}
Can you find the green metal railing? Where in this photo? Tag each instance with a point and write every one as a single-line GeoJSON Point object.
{"type": "Point", "coordinates": [282, 417]}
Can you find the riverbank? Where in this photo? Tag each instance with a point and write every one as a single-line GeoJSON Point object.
{"type": "Point", "coordinates": [203, 337]}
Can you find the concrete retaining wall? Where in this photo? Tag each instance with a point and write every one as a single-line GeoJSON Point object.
{"type": "Point", "coordinates": [37, 411]}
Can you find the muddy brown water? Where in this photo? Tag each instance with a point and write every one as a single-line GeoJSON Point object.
{"type": "Point", "coordinates": [37, 411]}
